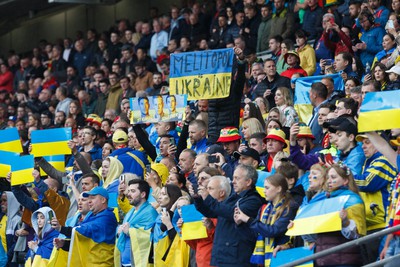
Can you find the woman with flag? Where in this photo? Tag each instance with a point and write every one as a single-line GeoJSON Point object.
{"type": "Point", "coordinates": [163, 232]}
{"type": "Point", "coordinates": [271, 224]}
{"type": "Point", "coordinates": [341, 184]}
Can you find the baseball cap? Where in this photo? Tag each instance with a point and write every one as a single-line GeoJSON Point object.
{"type": "Point", "coordinates": [395, 69]}
{"type": "Point", "coordinates": [97, 191]}
{"type": "Point", "coordinates": [228, 134]}
{"type": "Point", "coordinates": [342, 123]}
{"type": "Point", "coordinates": [120, 137]}
{"type": "Point", "coordinates": [248, 152]}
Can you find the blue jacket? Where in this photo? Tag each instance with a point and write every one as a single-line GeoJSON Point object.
{"type": "Point", "coordinates": [200, 146]}
{"type": "Point", "coordinates": [100, 227]}
{"type": "Point", "coordinates": [354, 159]}
{"type": "Point", "coordinates": [373, 39]}
{"type": "Point", "coordinates": [231, 248]}
{"type": "Point", "coordinates": [126, 156]}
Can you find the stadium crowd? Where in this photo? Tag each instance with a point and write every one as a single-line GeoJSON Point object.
{"type": "Point", "coordinates": [212, 157]}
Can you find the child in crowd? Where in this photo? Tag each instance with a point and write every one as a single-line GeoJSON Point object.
{"type": "Point", "coordinates": [394, 78]}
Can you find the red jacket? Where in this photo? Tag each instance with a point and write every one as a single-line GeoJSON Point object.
{"type": "Point", "coordinates": [290, 71]}
{"type": "Point", "coordinates": [6, 81]}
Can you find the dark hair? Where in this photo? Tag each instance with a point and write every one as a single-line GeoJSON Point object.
{"type": "Point", "coordinates": [254, 112]}
{"type": "Point", "coordinates": [289, 170]}
{"type": "Point", "coordinates": [143, 186]}
{"type": "Point", "coordinates": [347, 57]}
{"type": "Point", "coordinates": [258, 136]}
{"type": "Point", "coordinates": [173, 192]}
{"type": "Point", "coordinates": [328, 105]}
{"type": "Point", "coordinates": [277, 38]}
{"type": "Point", "coordinates": [349, 103]}
{"type": "Point", "coordinates": [385, 74]}
{"type": "Point", "coordinates": [105, 80]}
{"type": "Point", "coordinates": [95, 178]}
{"type": "Point", "coordinates": [320, 90]}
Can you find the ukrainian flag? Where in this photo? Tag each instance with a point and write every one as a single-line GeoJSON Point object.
{"type": "Point", "coordinates": [290, 255]}
{"type": "Point", "coordinates": [9, 140]}
{"type": "Point", "coordinates": [6, 159]}
{"type": "Point", "coordinates": [85, 252]}
{"type": "Point", "coordinates": [21, 168]}
{"type": "Point", "coordinates": [260, 182]}
{"type": "Point", "coordinates": [192, 227]}
{"type": "Point", "coordinates": [380, 111]}
{"type": "Point", "coordinates": [51, 142]}
{"type": "Point", "coordinates": [319, 217]}
{"type": "Point", "coordinates": [302, 103]}
{"type": "Point", "coordinates": [57, 161]}
{"type": "Point", "coordinates": [202, 74]}
{"type": "Point", "coordinates": [140, 245]}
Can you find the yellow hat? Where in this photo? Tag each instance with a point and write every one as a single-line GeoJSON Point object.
{"type": "Point", "coordinates": [161, 170]}
{"type": "Point", "coordinates": [277, 135]}
{"type": "Point", "coordinates": [361, 137]}
{"type": "Point", "coordinates": [120, 137]}
{"type": "Point", "coordinates": [305, 132]}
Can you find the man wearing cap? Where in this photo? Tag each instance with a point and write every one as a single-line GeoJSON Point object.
{"type": "Point", "coordinates": [293, 60]}
{"type": "Point", "coordinates": [229, 138]}
{"type": "Point", "coordinates": [249, 157]}
{"type": "Point", "coordinates": [276, 142]}
{"type": "Point", "coordinates": [99, 227]}
{"type": "Point", "coordinates": [350, 153]}
{"type": "Point", "coordinates": [230, 247]}
{"type": "Point", "coordinates": [133, 161]}
{"type": "Point", "coordinates": [374, 184]}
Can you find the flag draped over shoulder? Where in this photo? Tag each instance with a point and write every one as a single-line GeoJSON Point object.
{"type": "Point", "coordinates": [319, 217]}
{"type": "Point", "coordinates": [380, 111]}
{"type": "Point", "coordinates": [51, 142]}
{"type": "Point", "coordinates": [140, 244]}
{"type": "Point", "coordinates": [85, 252]}
{"type": "Point", "coordinates": [302, 103]}
{"type": "Point", "coordinates": [192, 227]}
{"type": "Point", "coordinates": [9, 140]}
{"type": "Point", "coordinates": [202, 74]}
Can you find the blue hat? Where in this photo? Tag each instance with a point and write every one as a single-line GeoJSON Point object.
{"type": "Point", "coordinates": [96, 191]}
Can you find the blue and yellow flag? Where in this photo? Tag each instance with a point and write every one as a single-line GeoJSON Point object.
{"type": "Point", "coordinates": [57, 161]}
{"type": "Point", "coordinates": [319, 217]}
{"type": "Point", "coordinates": [380, 111]}
{"type": "Point", "coordinates": [86, 252]}
{"type": "Point", "coordinates": [202, 74]}
{"type": "Point", "coordinates": [192, 227]}
{"type": "Point", "coordinates": [9, 140]}
{"type": "Point", "coordinates": [140, 245]}
{"type": "Point", "coordinates": [302, 103]}
{"type": "Point", "coordinates": [290, 255]}
{"type": "Point", "coordinates": [21, 168]}
{"type": "Point", "coordinates": [51, 142]}
{"type": "Point", "coordinates": [260, 182]}
{"type": "Point", "coordinates": [6, 159]}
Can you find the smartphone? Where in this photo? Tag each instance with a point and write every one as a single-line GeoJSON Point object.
{"type": "Point", "coordinates": [332, 21]}
{"type": "Point", "coordinates": [172, 141]}
{"type": "Point", "coordinates": [195, 188]}
{"type": "Point", "coordinates": [164, 209]}
{"type": "Point", "coordinates": [51, 215]}
{"type": "Point", "coordinates": [328, 62]}
{"type": "Point", "coordinates": [213, 159]}
{"type": "Point", "coordinates": [148, 168]}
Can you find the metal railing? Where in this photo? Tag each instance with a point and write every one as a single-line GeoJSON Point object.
{"type": "Point", "coordinates": [349, 244]}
